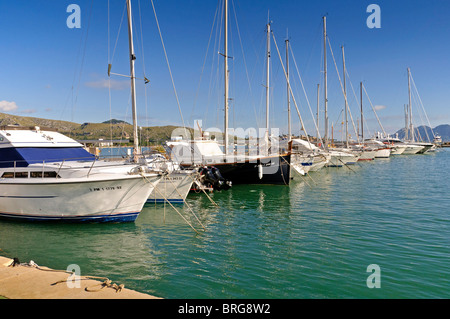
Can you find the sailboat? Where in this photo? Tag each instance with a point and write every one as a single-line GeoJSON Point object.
{"type": "Point", "coordinates": [338, 156]}
{"type": "Point", "coordinates": [175, 185]}
{"type": "Point", "coordinates": [266, 165]}
{"type": "Point", "coordinates": [176, 182]}
{"type": "Point", "coordinates": [413, 147]}
{"type": "Point", "coordinates": [305, 156]}
{"type": "Point", "coordinates": [47, 176]}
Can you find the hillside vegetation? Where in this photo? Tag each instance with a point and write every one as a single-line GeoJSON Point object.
{"type": "Point", "coordinates": [91, 131]}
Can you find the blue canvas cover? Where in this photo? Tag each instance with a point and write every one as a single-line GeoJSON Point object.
{"type": "Point", "coordinates": [30, 155]}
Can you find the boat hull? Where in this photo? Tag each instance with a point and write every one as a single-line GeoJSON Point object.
{"type": "Point", "coordinates": [366, 155]}
{"type": "Point", "coordinates": [339, 159]}
{"type": "Point", "coordinates": [411, 150]}
{"type": "Point", "coordinates": [172, 188]}
{"type": "Point", "coordinates": [426, 148]}
{"type": "Point", "coordinates": [319, 162]}
{"type": "Point", "coordinates": [383, 153]}
{"type": "Point", "coordinates": [265, 170]}
{"type": "Point", "coordinates": [71, 200]}
{"type": "Point", "coordinates": [302, 164]}
{"type": "Point", "coordinates": [398, 150]}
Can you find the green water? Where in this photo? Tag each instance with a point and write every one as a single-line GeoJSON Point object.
{"type": "Point", "coordinates": [313, 239]}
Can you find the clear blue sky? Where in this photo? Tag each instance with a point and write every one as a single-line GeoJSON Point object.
{"type": "Point", "coordinates": [51, 71]}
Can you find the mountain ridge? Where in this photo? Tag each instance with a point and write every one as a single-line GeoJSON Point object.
{"type": "Point", "coordinates": [117, 130]}
{"type": "Point", "coordinates": [426, 133]}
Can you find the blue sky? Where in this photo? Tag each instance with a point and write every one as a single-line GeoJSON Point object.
{"type": "Point", "coordinates": [51, 71]}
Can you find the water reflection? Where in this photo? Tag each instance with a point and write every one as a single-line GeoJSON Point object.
{"type": "Point", "coordinates": [312, 239]}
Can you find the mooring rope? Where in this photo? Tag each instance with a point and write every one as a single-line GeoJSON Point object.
{"type": "Point", "coordinates": [106, 282]}
{"type": "Point", "coordinates": [154, 188]}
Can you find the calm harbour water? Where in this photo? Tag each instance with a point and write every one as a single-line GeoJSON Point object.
{"type": "Point", "coordinates": [312, 239]}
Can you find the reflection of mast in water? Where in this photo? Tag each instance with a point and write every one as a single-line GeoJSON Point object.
{"type": "Point", "coordinates": [261, 199]}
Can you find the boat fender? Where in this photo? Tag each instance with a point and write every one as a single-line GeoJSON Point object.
{"type": "Point", "coordinates": [260, 171]}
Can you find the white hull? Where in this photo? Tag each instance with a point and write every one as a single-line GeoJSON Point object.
{"type": "Point", "coordinates": [92, 199]}
{"type": "Point", "coordinates": [338, 158]}
{"type": "Point", "coordinates": [425, 147]}
{"type": "Point", "coordinates": [297, 168]}
{"type": "Point", "coordinates": [383, 153]}
{"type": "Point", "coordinates": [412, 149]}
{"type": "Point", "coordinates": [367, 155]}
{"type": "Point", "coordinates": [398, 149]}
{"type": "Point", "coordinates": [173, 187]}
{"type": "Point", "coordinates": [301, 163]}
{"type": "Point", "coordinates": [319, 162]}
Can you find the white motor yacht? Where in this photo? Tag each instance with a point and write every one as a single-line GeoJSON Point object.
{"type": "Point", "coordinates": [47, 176]}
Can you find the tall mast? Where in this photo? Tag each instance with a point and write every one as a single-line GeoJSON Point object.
{"type": "Point", "coordinates": [318, 108]}
{"type": "Point", "coordinates": [345, 97]}
{"type": "Point", "coordinates": [406, 122]}
{"type": "Point", "coordinates": [226, 74]}
{"type": "Point", "coordinates": [267, 78]}
{"type": "Point", "coordinates": [133, 83]}
{"type": "Point", "coordinates": [325, 77]}
{"type": "Point", "coordinates": [288, 90]}
{"type": "Point", "coordinates": [362, 117]}
{"type": "Point", "coordinates": [411, 127]}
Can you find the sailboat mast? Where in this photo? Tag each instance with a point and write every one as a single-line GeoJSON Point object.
{"type": "Point", "coordinates": [318, 108]}
{"type": "Point", "coordinates": [288, 90]}
{"type": "Point", "coordinates": [411, 127]}
{"type": "Point", "coordinates": [226, 80]}
{"type": "Point", "coordinates": [325, 77]}
{"type": "Point", "coordinates": [362, 117]}
{"type": "Point", "coordinates": [267, 79]}
{"type": "Point", "coordinates": [133, 83]}
{"type": "Point", "coordinates": [345, 97]}
{"type": "Point", "coordinates": [406, 122]}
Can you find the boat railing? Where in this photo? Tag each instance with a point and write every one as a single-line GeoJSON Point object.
{"type": "Point", "coordinates": [49, 168]}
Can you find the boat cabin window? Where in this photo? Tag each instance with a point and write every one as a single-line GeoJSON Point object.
{"type": "Point", "coordinates": [46, 174]}
{"type": "Point", "coordinates": [15, 175]}
{"type": "Point", "coordinates": [50, 174]}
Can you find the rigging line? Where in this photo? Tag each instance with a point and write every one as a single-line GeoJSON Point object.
{"type": "Point", "coordinates": [109, 78]}
{"type": "Point", "coordinates": [342, 87]}
{"type": "Point", "coordinates": [421, 120]}
{"type": "Point", "coordinates": [144, 71]}
{"type": "Point", "coordinates": [118, 33]}
{"type": "Point", "coordinates": [109, 35]}
{"type": "Point", "coordinates": [356, 98]}
{"type": "Point", "coordinates": [82, 59]}
{"type": "Point", "coordinates": [349, 111]}
{"type": "Point", "coordinates": [290, 89]}
{"type": "Point", "coordinates": [110, 59]}
{"type": "Point", "coordinates": [418, 95]}
{"type": "Point", "coordinates": [204, 61]}
{"type": "Point", "coordinates": [70, 93]}
{"type": "Point", "coordinates": [245, 63]}
{"type": "Point", "coordinates": [168, 65]}
{"type": "Point", "coordinates": [304, 91]}
{"type": "Point", "coordinates": [373, 109]}
{"type": "Point", "coordinates": [141, 36]}
{"type": "Point", "coordinates": [214, 72]}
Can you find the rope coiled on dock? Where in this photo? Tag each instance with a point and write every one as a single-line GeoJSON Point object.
{"type": "Point", "coordinates": [107, 283]}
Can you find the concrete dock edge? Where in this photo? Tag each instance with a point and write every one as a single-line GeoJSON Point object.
{"type": "Point", "coordinates": [38, 282]}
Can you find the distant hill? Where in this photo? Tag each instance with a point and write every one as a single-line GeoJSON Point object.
{"type": "Point", "coordinates": [114, 121]}
{"type": "Point", "coordinates": [424, 131]}
{"type": "Point", "coordinates": [88, 131]}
